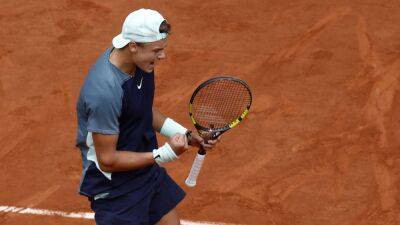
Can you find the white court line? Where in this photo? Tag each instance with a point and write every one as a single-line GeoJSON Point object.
{"type": "Point", "coordinates": [80, 215]}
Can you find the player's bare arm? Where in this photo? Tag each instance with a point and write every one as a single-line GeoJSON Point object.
{"type": "Point", "coordinates": [167, 127]}
{"type": "Point", "coordinates": [111, 160]}
{"type": "Point", "coordinates": [158, 119]}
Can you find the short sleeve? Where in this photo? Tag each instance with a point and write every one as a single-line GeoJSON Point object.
{"type": "Point", "coordinates": [103, 112]}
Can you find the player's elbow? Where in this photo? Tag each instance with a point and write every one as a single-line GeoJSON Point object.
{"type": "Point", "coordinates": [107, 163]}
{"type": "Point", "coordinates": [106, 168]}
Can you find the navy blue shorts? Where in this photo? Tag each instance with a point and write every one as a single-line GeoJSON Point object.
{"type": "Point", "coordinates": [149, 210]}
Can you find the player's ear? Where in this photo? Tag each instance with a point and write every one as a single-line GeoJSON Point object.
{"type": "Point", "coordinates": [132, 47]}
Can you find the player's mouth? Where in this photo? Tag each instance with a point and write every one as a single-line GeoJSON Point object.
{"type": "Point", "coordinates": [151, 66]}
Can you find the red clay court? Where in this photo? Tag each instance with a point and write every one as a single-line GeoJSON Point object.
{"type": "Point", "coordinates": [320, 145]}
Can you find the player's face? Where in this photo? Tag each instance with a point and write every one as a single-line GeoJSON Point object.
{"type": "Point", "coordinates": [147, 55]}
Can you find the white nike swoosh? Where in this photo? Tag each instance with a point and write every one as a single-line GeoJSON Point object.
{"type": "Point", "coordinates": [140, 85]}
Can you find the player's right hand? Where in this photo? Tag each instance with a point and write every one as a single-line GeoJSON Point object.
{"type": "Point", "coordinates": [178, 143]}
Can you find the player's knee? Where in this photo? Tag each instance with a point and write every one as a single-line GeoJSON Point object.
{"type": "Point", "coordinates": [171, 218]}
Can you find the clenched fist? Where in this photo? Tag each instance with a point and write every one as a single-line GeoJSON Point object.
{"type": "Point", "coordinates": [178, 143]}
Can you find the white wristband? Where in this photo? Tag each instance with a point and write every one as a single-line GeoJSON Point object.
{"type": "Point", "coordinates": [170, 128]}
{"type": "Point", "coordinates": [164, 154]}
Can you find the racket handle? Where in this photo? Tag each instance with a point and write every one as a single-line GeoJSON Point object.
{"type": "Point", "coordinates": [195, 170]}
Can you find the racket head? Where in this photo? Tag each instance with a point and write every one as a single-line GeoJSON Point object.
{"type": "Point", "coordinates": [219, 104]}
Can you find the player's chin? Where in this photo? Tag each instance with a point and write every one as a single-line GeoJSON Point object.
{"type": "Point", "coordinates": [150, 68]}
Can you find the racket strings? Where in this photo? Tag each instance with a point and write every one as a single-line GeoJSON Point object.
{"type": "Point", "coordinates": [221, 102]}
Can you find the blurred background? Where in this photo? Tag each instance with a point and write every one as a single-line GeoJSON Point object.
{"type": "Point", "coordinates": [320, 144]}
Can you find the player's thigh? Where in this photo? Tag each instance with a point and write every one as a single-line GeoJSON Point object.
{"type": "Point", "coordinates": [170, 218]}
{"type": "Point", "coordinates": [164, 202]}
{"type": "Point", "coordinates": [122, 210]}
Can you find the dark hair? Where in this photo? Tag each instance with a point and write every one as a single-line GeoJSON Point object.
{"type": "Point", "coordinates": [165, 27]}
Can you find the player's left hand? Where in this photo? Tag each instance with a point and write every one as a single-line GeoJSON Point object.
{"type": "Point", "coordinates": [196, 140]}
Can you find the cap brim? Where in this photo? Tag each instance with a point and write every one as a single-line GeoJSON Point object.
{"type": "Point", "coordinates": [119, 42]}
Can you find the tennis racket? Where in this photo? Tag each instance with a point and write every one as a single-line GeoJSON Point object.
{"type": "Point", "coordinates": [217, 105]}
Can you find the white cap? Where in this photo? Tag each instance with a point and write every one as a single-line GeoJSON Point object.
{"type": "Point", "coordinates": [140, 26]}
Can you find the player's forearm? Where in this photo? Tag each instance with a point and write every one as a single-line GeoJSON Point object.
{"type": "Point", "coordinates": [166, 126]}
{"type": "Point", "coordinates": [158, 119]}
{"type": "Point", "coordinates": [120, 161]}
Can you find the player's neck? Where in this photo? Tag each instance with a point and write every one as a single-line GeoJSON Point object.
{"type": "Point", "coordinates": [122, 61]}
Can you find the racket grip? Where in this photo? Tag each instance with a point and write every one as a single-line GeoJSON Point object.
{"type": "Point", "coordinates": [195, 170]}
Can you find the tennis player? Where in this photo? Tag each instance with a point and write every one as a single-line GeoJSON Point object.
{"type": "Point", "coordinates": [116, 130]}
